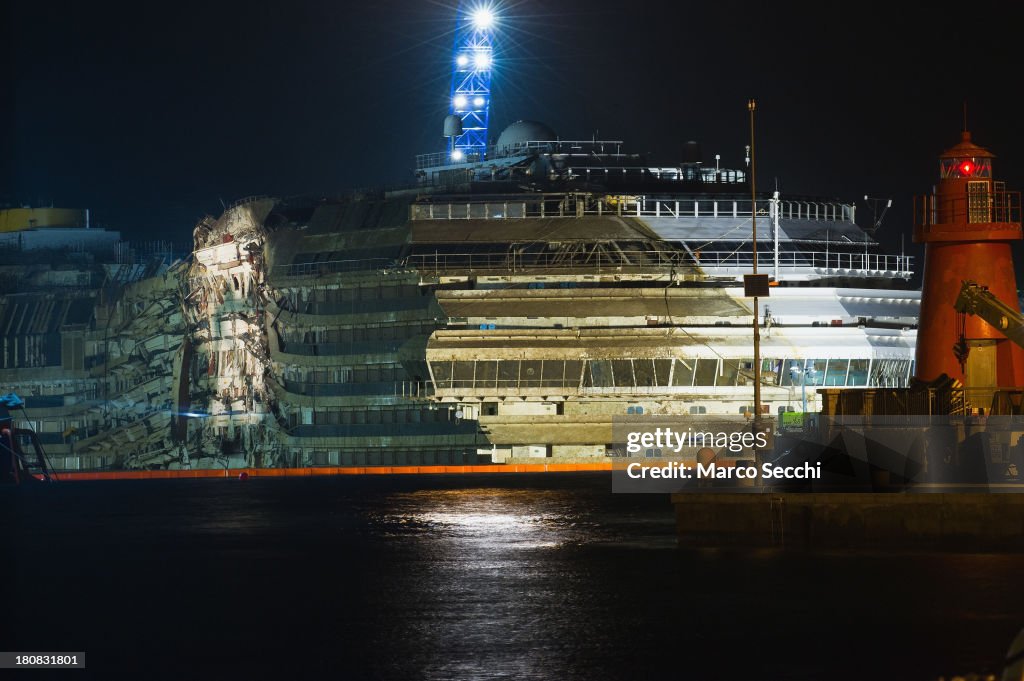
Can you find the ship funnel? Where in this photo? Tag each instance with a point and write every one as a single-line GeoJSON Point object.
{"type": "Point", "coordinates": [692, 154]}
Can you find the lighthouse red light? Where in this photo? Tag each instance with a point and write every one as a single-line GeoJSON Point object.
{"type": "Point", "coordinates": [966, 168]}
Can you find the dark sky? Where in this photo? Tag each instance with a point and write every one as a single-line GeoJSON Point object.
{"type": "Point", "coordinates": [151, 114]}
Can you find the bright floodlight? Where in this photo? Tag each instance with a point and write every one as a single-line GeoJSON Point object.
{"type": "Point", "coordinates": [483, 18]}
{"type": "Point", "coordinates": [457, 155]}
{"type": "Point", "coordinates": [478, 102]}
{"type": "Point", "coordinates": [482, 61]}
{"type": "Point", "coordinates": [460, 101]}
{"type": "Point", "coordinates": [462, 60]}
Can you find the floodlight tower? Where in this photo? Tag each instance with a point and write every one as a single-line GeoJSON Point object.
{"type": "Point", "coordinates": [471, 79]}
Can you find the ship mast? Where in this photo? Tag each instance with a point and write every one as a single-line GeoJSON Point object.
{"type": "Point", "coordinates": [755, 284]}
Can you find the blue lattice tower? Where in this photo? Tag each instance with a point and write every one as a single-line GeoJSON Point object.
{"type": "Point", "coordinates": [473, 60]}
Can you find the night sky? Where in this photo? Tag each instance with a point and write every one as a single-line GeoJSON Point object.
{"type": "Point", "coordinates": [151, 114]}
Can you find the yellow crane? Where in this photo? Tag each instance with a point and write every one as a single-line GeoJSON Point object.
{"type": "Point", "coordinates": [975, 299]}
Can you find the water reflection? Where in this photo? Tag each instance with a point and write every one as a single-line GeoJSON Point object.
{"type": "Point", "coordinates": [492, 578]}
{"type": "Point", "coordinates": [489, 519]}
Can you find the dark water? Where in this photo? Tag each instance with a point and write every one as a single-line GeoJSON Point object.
{"type": "Point", "coordinates": [466, 577]}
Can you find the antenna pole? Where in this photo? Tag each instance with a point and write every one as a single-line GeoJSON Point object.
{"type": "Point", "coordinates": [751, 106]}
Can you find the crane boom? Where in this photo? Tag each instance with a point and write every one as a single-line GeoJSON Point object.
{"type": "Point", "coordinates": [975, 299]}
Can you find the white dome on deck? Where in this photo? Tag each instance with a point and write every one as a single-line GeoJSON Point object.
{"type": "Point", "coordinates": [521, 132]}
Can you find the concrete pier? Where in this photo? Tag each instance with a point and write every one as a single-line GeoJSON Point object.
{"type": "Point", "coordinates": [942, 521]}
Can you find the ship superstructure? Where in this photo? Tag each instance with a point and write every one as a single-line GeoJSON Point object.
{"type": "Point", "coordinates": [580, 281]}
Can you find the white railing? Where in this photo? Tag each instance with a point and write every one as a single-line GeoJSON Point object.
{"type": "Point", "coordinates": [581, 205]}
{"type": "Point", "coordinates": [730, 262]}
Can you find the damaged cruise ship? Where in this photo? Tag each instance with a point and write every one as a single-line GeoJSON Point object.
{"type": "Point", "coordinates": [503, 309]}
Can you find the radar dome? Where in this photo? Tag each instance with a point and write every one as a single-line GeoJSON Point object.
{"type": "Point", "coordinates": [452, 125]}
{"type": "Point", "coordinates": [522, 132]}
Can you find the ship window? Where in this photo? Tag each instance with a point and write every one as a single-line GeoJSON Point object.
{"type": "Point", "coordinates": [572, 373]}
{"type": "Point", "coordinates": [462, 375]}
{"type": "Point", "coordinates": [858, 372]}
{"type": "Point", "coordinates": [643, 369]}
{"type": "Point", "coordinates": [889, 373]}
{"type": "Point", "coordinates": [729, 372]}
{"type": "Point", "coordinates": [553, 373]}
{"type": "Point", "coordinates": [442, 374]}
{"type": "Point", "coordinates": [662, 369]}
{"type": "Point", "coordinates": [601, 373]}
{"type": "Point", "coordinates": [816, 371]}
{"type": "Point", "coordinates": [705, 372]}
{"type": "Point", "coordinates": [486, 374]}
{"type": "Point", "coordinates": [698, 410]}
{"type": "Point", "coordinates": [529, 374]}
{"type": "Point", "coordinates": [683, 372]}
{"type": "Point", "coordinates": [791, 373]}
{"type": "Point", "coordinates": [771, 371]}
{"type": "Point", "coordinates": [622, 370]}
{"type": "Point", "coordinates": [837, 369]}
{"type": "Point", "coordinates": [508, 373]}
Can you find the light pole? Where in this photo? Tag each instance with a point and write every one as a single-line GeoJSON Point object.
{"type": "Point", "coordinates": [793, 372]}
{"type": "Point", "coordinates": [755, 285]}
{"type": "Point", "coordinates": [751, 105]}
{"type": "Point", "coordinates": [803, 392]}
{"type": "Point", "coordinates": [803, 372]}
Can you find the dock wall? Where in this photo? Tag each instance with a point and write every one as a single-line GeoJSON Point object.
{"type": "Point", "coordinates": [920, 521]}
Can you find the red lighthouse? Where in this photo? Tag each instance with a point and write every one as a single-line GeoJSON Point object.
{"type": "Point", "coordinates": [967, 225]}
